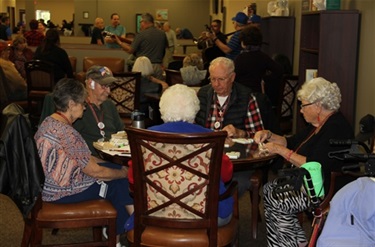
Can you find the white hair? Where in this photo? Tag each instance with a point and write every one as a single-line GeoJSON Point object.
{"type": "Point", "coordinates": [322, 91]}
{"type": "Point", "coordinates": [179, 103]}
{"type": "Point", "coordinates": [143, 64]}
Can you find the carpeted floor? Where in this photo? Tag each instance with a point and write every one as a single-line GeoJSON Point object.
{"type": "Point", "coordinates": [11, 227]}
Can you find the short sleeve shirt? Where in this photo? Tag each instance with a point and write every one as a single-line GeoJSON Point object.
{"type": "Point", "coordinates": [63, 153]}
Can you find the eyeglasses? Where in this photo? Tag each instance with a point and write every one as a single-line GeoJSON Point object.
{"type": "Point", "coordinates": [307, 104]}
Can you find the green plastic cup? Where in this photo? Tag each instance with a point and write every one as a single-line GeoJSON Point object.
{"type": "Point", "coordinates": [315, 170]}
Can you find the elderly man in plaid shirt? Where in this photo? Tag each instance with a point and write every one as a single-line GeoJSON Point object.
{"type": "Point", "coordinates": [229, 106]}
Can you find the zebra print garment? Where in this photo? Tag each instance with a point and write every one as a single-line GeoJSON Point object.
{"type": "Point", "coordinates": [282, 225]}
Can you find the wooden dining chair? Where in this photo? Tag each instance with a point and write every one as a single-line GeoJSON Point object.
{"type": "Point", "coordinates": [176, 190]}
{"type": "Point", "coordinates": [173, 77]}
{"type": "Point", "coordinates": [125, 94]}
{"type": "Point", "coordinates": [285, 106]}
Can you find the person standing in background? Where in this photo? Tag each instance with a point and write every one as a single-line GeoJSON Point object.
{"type": "Point", "coordinates": [42, 27]}
{"type": "Point", "coordinates": [210, 52]}
{"type": "Point", "coordinates": [233, 48]}
{"type": "Point", "coordinates": [5, 32]}
{"type": "Point", "coordinates": [115, 28]}
{"type": "Point", "coordinates": [172, 44]}
{"type": "Point", "coordinates": [149, 42]}
{"type": "Point", "coordinates": [33, 37]}
{"type": "Point", "coordinates": [97, 37]}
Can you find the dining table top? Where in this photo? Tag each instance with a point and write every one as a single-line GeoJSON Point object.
{"type": "Point", "coordinates": [247, 156]}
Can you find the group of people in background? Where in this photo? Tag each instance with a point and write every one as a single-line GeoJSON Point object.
{"type": "Point", "coordinates": [232, 101]}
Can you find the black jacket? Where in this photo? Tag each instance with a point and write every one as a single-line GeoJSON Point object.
{"type": "Point", "coordinates": [21, 172]}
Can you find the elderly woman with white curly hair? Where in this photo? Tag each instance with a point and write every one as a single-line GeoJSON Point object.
{"type": "Point", "coordinates": [320, 103]}
{"type": "Point", "coordinates": [178, 106]}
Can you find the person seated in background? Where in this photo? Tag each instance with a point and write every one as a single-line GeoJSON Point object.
{"type": "Point", "coordinates": [20, 53]}
{"type": "Point", "coordinates": [192, 71]}
{"type": "Point", "coordinates": [149, 83]}
{"type": "Point", "coordinates": [229, 106]}
{"type": "Point", "coordinates": [183, 33]}
{"type": "Point", "coordinates": [97, 37]}
{"type": "Point", "coordinates": [178, 107]}
{"type": "Point", "coordinates": [100, 119]}
{"type": "Point", "coordinates": [19, 29]}
{"type": "Point", "coordinates": [14, 82]}
{"type": "Point", "coordinates": [233, 48]}
{"type": "Point", "coordinates": [320, 103]}
{"type": "Point", "coordinates": [72, 174]}
{"type": "Point", "coordinates": [254, 66]}
{"type": "Point", "coordinates": [67, 28]}
{"type": "Point", "coordinates": [33, 36]}
{"type": "Point", "coordinates": [51, 51]}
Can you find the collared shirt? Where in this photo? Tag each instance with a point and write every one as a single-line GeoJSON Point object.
{"type": "Point", "coordinates": [253, 121]}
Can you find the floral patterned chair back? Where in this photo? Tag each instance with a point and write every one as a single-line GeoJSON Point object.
{"type": "Point", "coordinates": [176, 180]}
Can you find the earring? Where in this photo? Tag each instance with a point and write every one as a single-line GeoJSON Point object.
{"type": "Point", "coordinates": [319, 118]}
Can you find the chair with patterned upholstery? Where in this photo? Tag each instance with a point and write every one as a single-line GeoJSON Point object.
{"type": "Point", "coordinates": [176, 190]}
{"type": "Point", "coordinates": [125, 94]}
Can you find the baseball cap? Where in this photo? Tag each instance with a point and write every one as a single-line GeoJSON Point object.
{"type": "Point", "coordinates": [241, 18]}
{"type": "Point", "coordinates": [255, 19]}
{"type": "Point", "coordinates": [366, 128]}
{"type": "Point", "coordinates": [101, 75]}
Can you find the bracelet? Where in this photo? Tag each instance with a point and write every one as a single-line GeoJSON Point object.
{"type": "Point", "coordinates": [289, 155]}
{"type": "Point", "coordinates": [269, 135]}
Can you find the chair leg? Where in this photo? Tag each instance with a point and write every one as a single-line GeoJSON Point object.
{"type": "Point", "coordinates": [255, 181]}
{"type": "Point", "coordinates": [97, 233]}
{"type": "Point", "coordinates": [27, 231]}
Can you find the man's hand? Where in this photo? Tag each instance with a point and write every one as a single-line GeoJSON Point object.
{"type": "Point", "coordinates": [234, 132]}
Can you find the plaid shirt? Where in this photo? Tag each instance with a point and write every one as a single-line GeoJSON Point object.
{"type": "Point", "coordinates": [33, 37]}
{"type": "Point", "coordinates": [253, 121]}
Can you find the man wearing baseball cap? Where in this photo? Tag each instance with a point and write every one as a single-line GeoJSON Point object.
{"type": "Point", "coordinates": [101, 118]}
{"type": "Point", "coordinates": [233, 47]}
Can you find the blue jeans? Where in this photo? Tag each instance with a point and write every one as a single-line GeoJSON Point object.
{"type": "Point", "coordinates": [117, 194]}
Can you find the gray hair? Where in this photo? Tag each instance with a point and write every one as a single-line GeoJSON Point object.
{"type": "Point", "coordinates": [143, 64]}
{"type": "Point", "coordinates": [226, 62]}
{"type": "Point", "coordinates": [68, 89]}
{"type": "Point", "coordinates": [147, 17]}
{"type": "Point", "coordinates": [193, 59]}
{"type": "Point", "coordinates": [322, 91]}
{"type": "Point", "coordinates": [179, 103]}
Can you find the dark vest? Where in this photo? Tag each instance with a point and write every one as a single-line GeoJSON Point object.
{"type": "Point", "coordinates": [236, 112]}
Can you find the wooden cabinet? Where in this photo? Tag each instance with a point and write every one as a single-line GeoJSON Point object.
{"type": "Point", "coordinates": [278, 34]}
{"type": "Point", "coordinates": [329, 43]}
